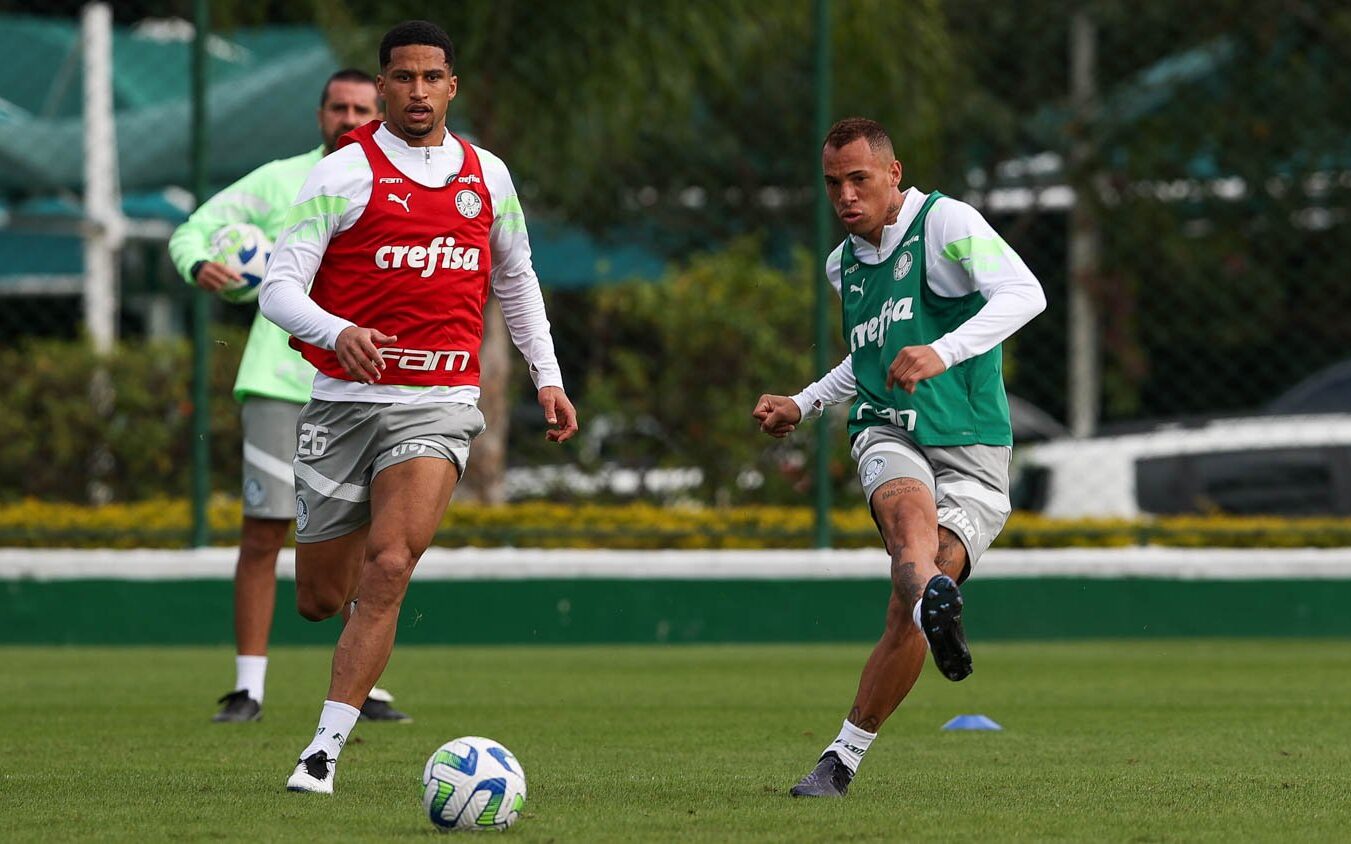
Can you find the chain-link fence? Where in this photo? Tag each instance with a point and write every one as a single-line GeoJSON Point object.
{"type": "Point", "coordinates": [1176, 176]}
{"type": "Point", "coordinates": [1178, 180]}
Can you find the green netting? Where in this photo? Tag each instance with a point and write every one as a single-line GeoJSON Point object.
{"type": "Point", "coordinates": [261, 101]}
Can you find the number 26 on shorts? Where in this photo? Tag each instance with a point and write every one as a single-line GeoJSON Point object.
{"type": "Point", "coordinates": [313, 440]}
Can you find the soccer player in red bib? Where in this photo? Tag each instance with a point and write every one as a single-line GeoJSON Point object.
{"type": "Point", "coordinates": [380, 276]}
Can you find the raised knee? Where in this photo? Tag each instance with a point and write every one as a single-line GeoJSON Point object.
{"type": "Point", "coordinates": [315, 606]}
{"type": "Point", "coordinates": [392, 563]}
{"type": "Point", "coordinates": [912, 541]}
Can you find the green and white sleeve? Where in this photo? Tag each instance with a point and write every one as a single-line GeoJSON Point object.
{"type": "Point", "coordinates": [241, 202]}
{"type": "Point", "coordinates": [331, 201]}
{"type": "Point", "coordinates": [966, 255]}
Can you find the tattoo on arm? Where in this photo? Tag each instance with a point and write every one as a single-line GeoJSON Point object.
{"type": "Point", "coordinates": [868, 725]}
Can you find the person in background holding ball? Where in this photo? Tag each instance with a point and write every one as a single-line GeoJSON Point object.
{"type": "Point", "coordinates": [272, 385]}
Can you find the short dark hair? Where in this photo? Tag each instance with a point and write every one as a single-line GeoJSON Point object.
{"type": "Point", "coordinates": [850, 129]}
{"type": "Point", "coordinates": [416, 33]}
{"type": "Point", "coordinates": [347, 74]}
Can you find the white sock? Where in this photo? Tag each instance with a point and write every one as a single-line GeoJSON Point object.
{"type": "Point", "coordinates": [249, 674]}
{"type": "Point", "coordinates": [914, 613]}
{"type": "Point", "coordinates": [850, 745]}
{"type": "Point", "coordinates": [335, 725]}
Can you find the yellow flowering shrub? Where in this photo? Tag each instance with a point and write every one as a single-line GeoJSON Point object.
{"type": "Point", "coordinates": [166, 523]}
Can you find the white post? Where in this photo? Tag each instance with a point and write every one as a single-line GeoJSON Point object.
{"type": "Point", "coordinates": [102, 204]}
{"type": "Point", "coordinates": [1085, 239]}
{"type": "Point", "coordinates": [102, 227]}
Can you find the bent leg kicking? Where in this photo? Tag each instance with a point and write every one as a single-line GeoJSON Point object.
{"type": "Point", "coordinates": [926, 562]}
{"type": "Point", "coordinates": [905, 514]}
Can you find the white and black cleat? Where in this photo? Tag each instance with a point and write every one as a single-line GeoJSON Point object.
{"type": "Point", "coordinates": [314, 774]}
{"type": "Point", "coordinates": [940, 617]}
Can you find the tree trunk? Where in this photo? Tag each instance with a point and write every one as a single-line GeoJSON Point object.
{"type": "Point", "coordinates": [485, 480]}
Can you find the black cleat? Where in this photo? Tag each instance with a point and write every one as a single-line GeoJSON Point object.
{"type": "Point", "coordinates": [379, 707]}
{"type": "Point", "coordinates": [238, 708]}
{"type": "Point", "coordinates": [940, 616]}
{"type": "Point", "coordinates": [830, 778]}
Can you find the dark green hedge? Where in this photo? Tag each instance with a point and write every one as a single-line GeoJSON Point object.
{"type": "Point", "coordinates": [75, 427]}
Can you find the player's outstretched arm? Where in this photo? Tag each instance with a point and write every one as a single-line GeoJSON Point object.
{"type": "Point", "coordinates": [778, 415]}
{"type": "Point", "coordinates": [837, 385]}
{"type": "Point", "coordinates": [559, 413]}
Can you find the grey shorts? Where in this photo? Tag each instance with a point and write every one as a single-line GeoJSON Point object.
{"type": "Point", "coordinates": [269, 445]}
{"type": "Point", "coordinates": [970, 483]}
{"type": "Point", "coordinates": [342, 446]}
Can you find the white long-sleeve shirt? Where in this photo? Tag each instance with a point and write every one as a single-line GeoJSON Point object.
{"type": "Point", "coordinates": [332, 200]}
{"type": "Point", "coordinates": [1013, 296]}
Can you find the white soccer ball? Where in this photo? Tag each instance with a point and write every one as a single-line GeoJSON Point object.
{"type": "Point", "coordinates": [473, 783]}
{"type": "Point", "coordinates": [245, 249]}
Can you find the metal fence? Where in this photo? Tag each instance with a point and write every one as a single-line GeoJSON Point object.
{"type": "Point", "coordinates": [1177, 177]}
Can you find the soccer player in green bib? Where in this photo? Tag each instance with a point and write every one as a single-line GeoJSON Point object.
{"type": "Point", "coordinates": [929, 291]}
{"type": "Point", "coordinates": [272, 385]}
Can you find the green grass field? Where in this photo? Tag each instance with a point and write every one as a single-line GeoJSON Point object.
{"type": "Point", "coordinates": [1124, 741]}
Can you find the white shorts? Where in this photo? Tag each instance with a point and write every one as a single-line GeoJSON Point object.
{"type": "Point", "coordinates": [970, 483]}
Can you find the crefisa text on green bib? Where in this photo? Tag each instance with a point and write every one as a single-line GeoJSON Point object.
{"type": "Point", "coordinates": [889, 306]}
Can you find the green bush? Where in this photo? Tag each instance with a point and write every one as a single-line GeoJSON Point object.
{"type": "Point", "coordinates": [78, 427]}
{"type": "Point", "coordinates": [690, 355]}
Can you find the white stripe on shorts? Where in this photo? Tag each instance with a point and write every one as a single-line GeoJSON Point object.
{"type": "Point", "coordinates": [269, 465]}
{"type": "Point", "coordinates": [330, 488]}
{"type": "Point", "coordinates": [976, 492]}
{"type": "Point", "coordinates": [432, 444]}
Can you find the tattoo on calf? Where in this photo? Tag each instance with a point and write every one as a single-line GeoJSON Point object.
{"type": "Point", "coordinates": [867, 725]}
{"type": "Point", "coordinates": [951, 557]}
{"type": "Point", "coordinates": [905, 580]}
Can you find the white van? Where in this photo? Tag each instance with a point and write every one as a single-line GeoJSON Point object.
{"type": "Point", "coordinates": [1292, 465]}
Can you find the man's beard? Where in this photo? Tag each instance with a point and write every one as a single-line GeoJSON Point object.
{"type": "Point", "coordinates": [419, 133]}
{"type": "Point", "coordinates": [331, 143]}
